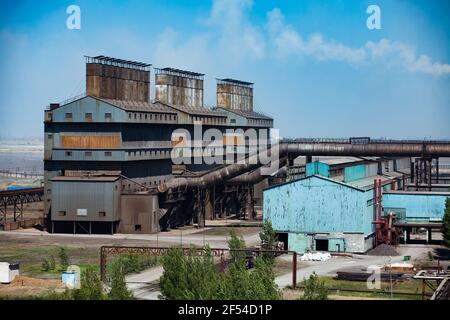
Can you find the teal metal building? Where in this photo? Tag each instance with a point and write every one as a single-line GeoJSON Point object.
{"type": "Point", "coordinates": [318, 213]}
{"type": "Point", "coordinates": [332, 210]}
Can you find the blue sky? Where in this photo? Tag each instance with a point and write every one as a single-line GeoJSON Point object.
{"type": "Point", "coordinates": [318, 70]}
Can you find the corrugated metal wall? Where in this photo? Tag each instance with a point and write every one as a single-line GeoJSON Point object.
{"type": "Point", "coordinates": [354, 173]}
{"type": "Point", "coordinates": [318, 168]}
{"type": "Point", "coordinates": [95, 197]}
{"type": "Point", "coordinates": [416, 206]}
{"type": "Point", "coordinates": [318, 205]}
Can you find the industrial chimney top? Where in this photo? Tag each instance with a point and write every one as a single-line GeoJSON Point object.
{"type": "Point", "coordinates": [118, 62]}
{"type": "Point", "coordinates": [235, 82]}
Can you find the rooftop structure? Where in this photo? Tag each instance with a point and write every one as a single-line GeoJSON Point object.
{"type": "Point", "coordinates": [235, 94]}
{"type": "Point", "coordinates": [118, 79]}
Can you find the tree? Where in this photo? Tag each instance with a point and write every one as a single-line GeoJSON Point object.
{"type": "Point", "coordinates": [63, 258]}
{"type": "Point", "coordinates": [191, 276]}
{"type": "Point", "coordinates": [315, 289]}
{"type": "Point", "coordinates": [269, 240]}
{"type": "Point", "coordinates": [446, 224]}
{"type": "Point", "coordinates": [91, 286]}
{"type": "Point", "coordinates": [236, 243]}
{"type": "Point", "coordinates": [119, 289]}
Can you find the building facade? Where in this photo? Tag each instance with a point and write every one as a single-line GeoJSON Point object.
{"type": "Point", "coordinates": [115, 131]}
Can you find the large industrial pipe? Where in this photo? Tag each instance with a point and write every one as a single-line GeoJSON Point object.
{"type": "Point", "coordinates": [256, 176]}
{"type": "Point", "coordinates": [388, 149]}
{"type": "Point", "coordinates": [295, 149]}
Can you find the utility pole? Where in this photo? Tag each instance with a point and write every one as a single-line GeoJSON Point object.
{"type": "Point", "coordinates": [390, 275]}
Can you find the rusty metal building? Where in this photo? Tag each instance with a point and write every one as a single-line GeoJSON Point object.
{"type": "Point", "coordinates": [115, 143]}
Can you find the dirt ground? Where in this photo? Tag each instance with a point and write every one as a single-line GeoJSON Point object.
{"type": "Point", "coordinates": [23, 286]}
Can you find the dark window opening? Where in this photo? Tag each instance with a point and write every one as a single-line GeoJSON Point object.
{"type": "Point", "coordinates": [88, 153]}
{"type": "Point", "coordinates": [108, 153]}
{"type": "Point", "coordinates": [61, 213]}
{"type": "Point", "coordinates": [88, 116]}
{"type": "Point", "coordinates": [108, 116]}
{"type": "Point", "coordinates": [321, 244]}
{"type": "Point", "coordinates": [68, 153]}
{"type": "Point", "coordinates": [137, 227]}
{"type": "Point", "coordinates": [69, 116]}
{"type": "Point", "coordinates": [102, 214]}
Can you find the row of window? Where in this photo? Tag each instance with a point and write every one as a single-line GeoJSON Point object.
{"type": "Point", "coordinates": [260, 122]}
{"type": "Point", "coordinates": [89, 153]}
{"type": "Point", "coordinates": [129, 153]}
{"type": "Point", "coordinates": [151, 116]}
{"type": "Point", "coordinates": [88, 116]}
{"type": "Point", "coordinates": [211, 120]}
{"type": "Point", "coordinates": [144, 153]}
{"type": "Point", "coordinates": [145, 116]}
{"type": "Point", "coordinates": [100, 213]}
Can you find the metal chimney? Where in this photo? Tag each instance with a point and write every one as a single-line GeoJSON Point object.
{"type": "Point", "coordinates": [235, 94]}
{"type": "Point", "coordinates": [179, 87]}
{"type": "Point", "coordinates": [117, 79]}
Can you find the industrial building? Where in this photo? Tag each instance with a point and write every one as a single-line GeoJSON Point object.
{"type": "Point", "coordinates": [110, 166]}
{"type": "Point", "coordinates": [350, 205]}
{"type": "Point", "coordinates": [113, 144]}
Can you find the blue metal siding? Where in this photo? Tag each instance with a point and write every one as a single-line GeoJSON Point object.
{"type": "Point", "coordinates": [316, 205]}
{"type": "Point", "coordinates": [318, 168]}
{"type": "Point", "coordinates": [97, 108]}
{"type": "Point", "coordinates": [239, 120]}
{"type": "Point", "coordinates": [298, 242]}
{"type": "Point", "coordinates": [354, 173]}
{"type": "Point", "coordinates": [96, 155]}
{"type": "Point", "coordinates": [416, 206]}
{"type": "Point", "coordinates": [335, 243]}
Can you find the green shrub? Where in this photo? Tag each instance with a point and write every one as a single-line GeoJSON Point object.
{"type": "Point", "coordinates": [63, 258]}
{"type": "Point", "coordinates": [91, 286]}
{"type": "Point", "coordinates": [119, 289]}
{"type": "Point", "coordinates": [315, 289]}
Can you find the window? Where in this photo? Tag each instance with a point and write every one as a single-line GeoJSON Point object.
{"type": "Point", "coordinates": [69, 116]}
{"type": "Point", "coordinates": [145, 116]}
{"type": "Point", "coordinates": [88, 153]}
{"type": "Point", "coordinates": [137, 227]}
{"type": "Point", "coordinates": [108, 153]}
{"type": "Point", "coordinates": [135, 116]}
{"type": "Point", "coordinates": [102, 214]}
{"type": "Point", "coordinates": [129, 115]}
{"type": "Point", "coordinates": [88, 116]}
{"type": "Point", "coordinates": [160, 117]}
{"type": "Point", "coordinates": [61, 213]}
{"type": "Point", "coordinates": [108, 116]}
{"type": "Point", "coordinates": [49, 136]}
{"type": "Point", "coordinates": [151, 117]}
{"type": "Point", "coordinates": [232, 120]}
{"type": "Point", "coordinates": [68, 153]}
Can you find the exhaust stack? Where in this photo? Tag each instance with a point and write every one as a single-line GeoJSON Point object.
{"type": "Point", "coordinates": [117, 79]}
{"type": "Point", "coordinates": [179, 87]}
{"type": "Point", "coordinates": [234, 94]}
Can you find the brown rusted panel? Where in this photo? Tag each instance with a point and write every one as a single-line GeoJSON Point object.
{"type": "Point", "coordinates": [90, 142]}
{"type": "Point", "coordinates": [112, 82]}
